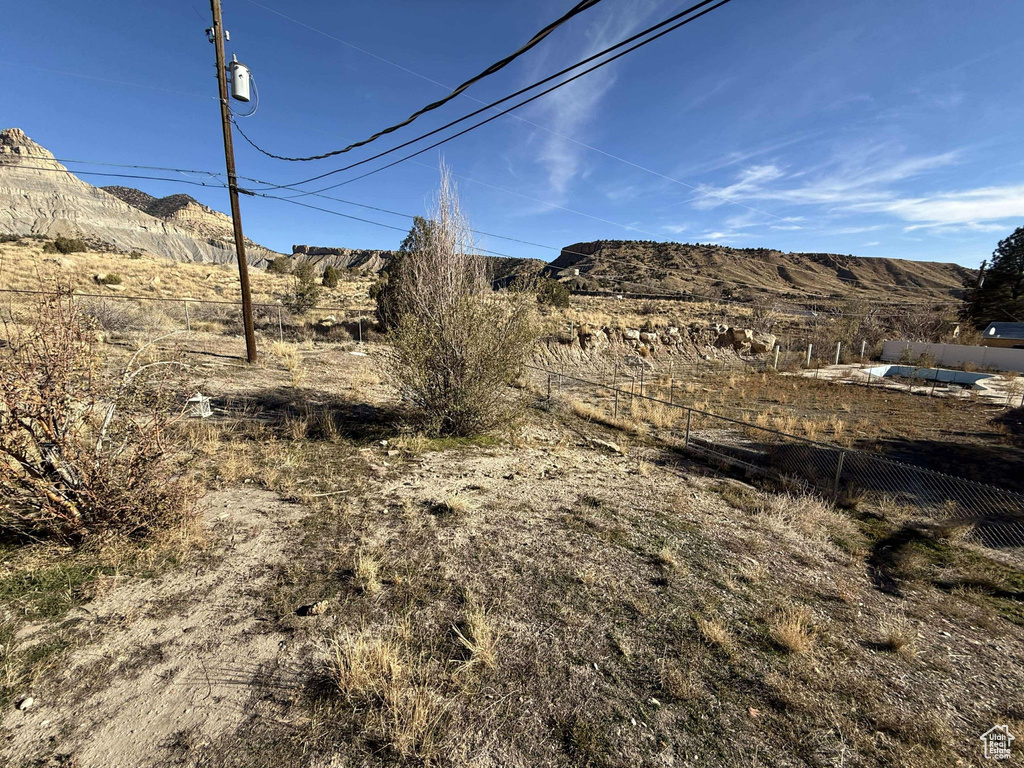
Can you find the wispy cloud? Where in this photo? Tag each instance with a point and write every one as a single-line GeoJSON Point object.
{"type": "Point", "coordinates": [568, 111]}
{"type": "Point", "coordinates": [866, 180]}
{"type": "Point", "coordinates": [857, 175]}
{"type": "Point", "coordinates": [968, 207]}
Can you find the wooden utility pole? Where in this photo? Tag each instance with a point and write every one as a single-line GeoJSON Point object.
{"type": "Point", "coordinates": [229, 159]}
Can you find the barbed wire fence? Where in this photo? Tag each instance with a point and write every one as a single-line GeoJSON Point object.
{"type": "Point", "coordinates": [274, 319]}
{"type": "Point", "coordinates": [995, 516]}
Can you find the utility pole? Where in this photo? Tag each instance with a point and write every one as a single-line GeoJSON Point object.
{"type": "Point", "coordinates": [217, 38]}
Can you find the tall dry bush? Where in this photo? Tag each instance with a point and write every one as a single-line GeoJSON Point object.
{"type": "Point", "coordinates": [82, 451]}
{"type": "Point", "coordinates": [456, 346]}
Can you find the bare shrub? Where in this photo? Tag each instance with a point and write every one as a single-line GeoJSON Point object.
{"type": "Point", "coordinates": [82, 452]}
{"type": "Point", "coordinates": [119, 316]}
{"type": "Point", "coordinates": [456, 346]}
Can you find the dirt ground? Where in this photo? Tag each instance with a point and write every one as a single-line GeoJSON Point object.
{"type": "Point", "coordinates": [163, 663]}
{"type": "Point", "coordinates": [561, 594]}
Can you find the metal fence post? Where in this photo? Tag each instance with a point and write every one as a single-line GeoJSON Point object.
{"type": "Point", "coordinates": [188, 320]}
{"type": "Point", "coordinates": [776, 357]}
{"type": "Point", "coordinates": [839, 346]}
{"type": "Point", "coordinates": [863, 346]}
{"type": "Point", "coordinates": [689, 414]}
{"type": "Point", "coordinates": [360, 322]}
{"type": "Point", "coordinates": [280, 326]}
{"type": "Point", "coordinates": [671, 384]}
{"type": "Point", "coordinates": [839, 470]}
{"type": "Point", "coordinates": [809, 348]}
{"type": "Point", "coordinates": [615, 413]}
{"type": "Point", "coordinates": [549, 386]}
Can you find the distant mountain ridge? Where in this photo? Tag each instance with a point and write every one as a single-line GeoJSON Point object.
{"type": "Point", "coordinates": [645, 266]}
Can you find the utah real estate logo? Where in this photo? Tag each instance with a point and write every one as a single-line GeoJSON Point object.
{"type": "Point", "coordinates": [997, 742]}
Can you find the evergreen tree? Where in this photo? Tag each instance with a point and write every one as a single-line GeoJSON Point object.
{"type": "Point", "coordinates": [999, 296]}
{"type": "Point", "coordinates": [306, 292]}
{"type": "Point", "coordinates": [386, 291]}
{"type": "Point", "coordinates": [330, 278]}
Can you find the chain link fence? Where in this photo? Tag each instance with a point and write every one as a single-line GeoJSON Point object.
{"type": "Point", "coordinates": [995, 516]}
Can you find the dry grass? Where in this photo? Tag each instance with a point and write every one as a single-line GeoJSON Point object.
{"type": "Point", "coordinates": [368, 567]}
{"type": "Point", "coordinates": [714, 632]}
{"type": "Point", "coordinates": [374, 669]}
{"type": "Point", "coordinates": [479, 638]}
{"type": "Point", "coordinates": [667, 559]}
{"type": "Point", "coordinates": [657, 414]}
{"type": "Point", "coordinates": [154, 277]}
{"type": "Point", "coordinates": [897, 634]}
{"type": "Point", "coordinates": [454, 504]}
{"type": "Point", "coordinates": [364, 663]}
{"type": "Point", "coordinates": [792, 631]}
{"type": "Point", "coordinates": [806, 517]}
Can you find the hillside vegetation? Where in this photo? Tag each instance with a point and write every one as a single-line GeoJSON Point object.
{"type": "Point", "coordinates": [647, 266]}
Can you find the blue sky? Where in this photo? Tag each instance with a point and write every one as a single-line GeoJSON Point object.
{"type": "Point", "coordinates": [874, 128]}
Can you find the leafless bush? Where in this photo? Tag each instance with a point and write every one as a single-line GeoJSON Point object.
{"type": "Point", "coordinates": [456, 346]}
{"type": "Point", "coordinates": [81, 452]}
{"type": "Point", "coordinates": [765, 314]}
{"type": "Point", "coordinates": [119, 316]}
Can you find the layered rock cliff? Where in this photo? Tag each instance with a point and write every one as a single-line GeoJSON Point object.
{"type": "Point", "coordinates": [40, 196]}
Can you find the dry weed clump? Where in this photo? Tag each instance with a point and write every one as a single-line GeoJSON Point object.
{"type": "Point", "coordinates": [667, 559]}
{"type": "Point", "coordinates": [83, 450]}
{"type": "Point", "coordinates": [792, 631]}
{"type": "Point", "coordinates": [897, 634]}
{"type": "Point", "coordinates": [715, 633]}
{"type": "Point", "coordinates": [658, 414]}
{"type": "Point", "coordinates": [368, 568]}
{"type": "Point", "coordinates": [454, 504]}
{"type": "Point", "coordinates": [808, 517]}
{"type": "Point", "coordinates": [479, 638]}
{"type": "Point", "coordinates": [398, 691]}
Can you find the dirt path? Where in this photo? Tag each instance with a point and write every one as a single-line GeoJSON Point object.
{"type": "Point", "coordinates": [164, 665]}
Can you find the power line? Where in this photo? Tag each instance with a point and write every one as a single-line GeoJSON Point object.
{"type": "Point", "coordinates": [509, 109]}
{"type": "Point", "coordinates": [113, 175]}
{"type": "Point", "coordinates": [572, 139]}
{"type": "Point", "coordinates": [103, 79]}
{"type": "Point", "coordinates": [493, 68]}
{"type": "Point", "coordinates": [675, 18]}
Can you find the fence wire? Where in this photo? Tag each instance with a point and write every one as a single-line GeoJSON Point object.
{"type": "Point", "coordinates": [995, 515]}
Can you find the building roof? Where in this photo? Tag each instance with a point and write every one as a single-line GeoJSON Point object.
{"type": "Point", "coordinates": [1004, 331]}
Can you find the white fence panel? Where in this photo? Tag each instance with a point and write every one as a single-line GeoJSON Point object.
{"type": "Point", "coordinates": [1000, 358]}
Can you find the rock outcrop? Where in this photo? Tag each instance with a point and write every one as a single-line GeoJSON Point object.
{"type": "Point", "coordinates": [343, 258]}
{"type": "Point", "coordinates": [39, 196]}
{"type": "Point", "coordinates": [745, 340]}
{"type": "Point", "coordinates": [187, 213]}
{"type": "Point", "coordinates": [697, 340]}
